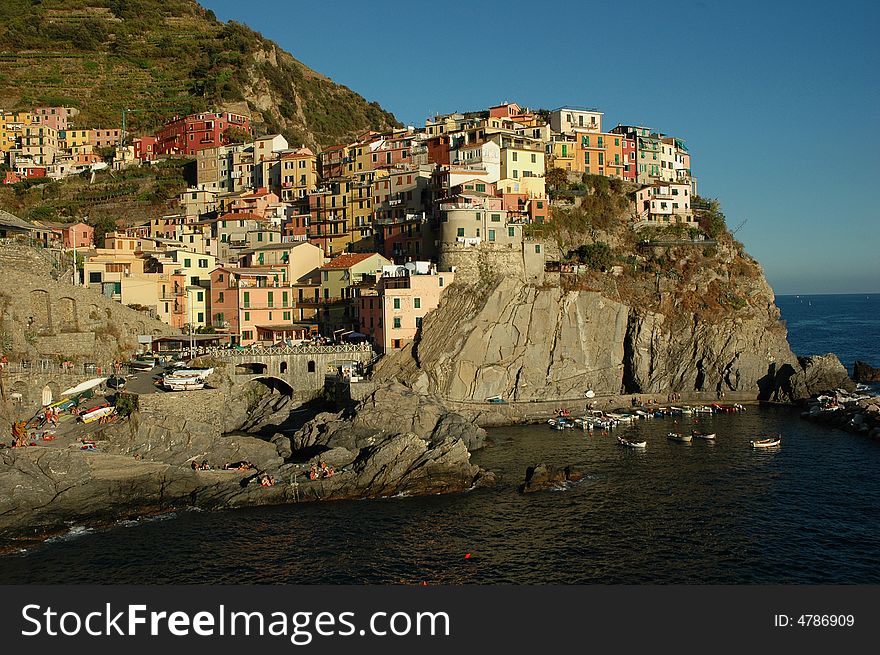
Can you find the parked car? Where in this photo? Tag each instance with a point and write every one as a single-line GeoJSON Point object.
{"type": "Point", "coordinates": [116, 382]}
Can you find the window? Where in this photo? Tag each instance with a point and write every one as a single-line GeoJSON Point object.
{"type": "Point", "coordinates": [397, 322]}
{"type": "Point", "coordinates": [200, 296]}
{"type": "Point", "coordinates": [534, 158]}
{"type": "Point", "coordinates": [418, 322]}
{"type": "Point", "coordinates": [587, 158]}
{"type": "Point", "coordinates": [187, 263]}
{"type": "Point", "coordinates": [326, 276]}
{"type": "Point", "coordinates": [286, 316]}
{"type": "Point", "coordinates": [496, 218]}
{"type": "Point", "coordinates": [247, 298]}
{"type": "Point", "coordinates": [601, 141]}
{"type": "Point", "coordinates": [397, 303]}
{"type": "Point", "coordinates": [311, 366]}
{"type": "Point", "coordinates": [537, 248]}
{"type": "Point", "coordinates": [491, 235]}
{"type": "Point", "coordinates": [200, 317]}
{"type": "Point", "coordinates": [511, 232]}
{"type": "Point", "coordinates": [247, 335]}
{"type": "Point", "coordinates": [417, 303]}
{"type": "Point", "coordinates": [247, 316]}
{"type": "Point", "coordinates": [459, 232]}
{"type": "Point", "coordinates": [441, 281]}
{"type": "Point", "coordinates": [601, 159]}
{"type": "Point", "coordinates": [481, 188]}
{"type": "Point", "coordinates": [95, 276]}
{"type": "Point", "coordinates": [271, 299]}
{"type": "Point", "coordinates": [514, 156]}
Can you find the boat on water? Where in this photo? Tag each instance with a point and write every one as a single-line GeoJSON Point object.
{"type": "Point", "coordinates": [769, 442]}
{"type": "Point", "coordinates": [703, 409]}
{"type": "Point", "coordinates": [703, 435]}
{"type": "Point", "coordinates": [677, 436]}
{"type": "Point", "coordinates": [629, 443]}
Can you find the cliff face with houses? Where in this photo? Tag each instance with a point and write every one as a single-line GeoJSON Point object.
{"type": "Point", "coordinates": [687, 317]}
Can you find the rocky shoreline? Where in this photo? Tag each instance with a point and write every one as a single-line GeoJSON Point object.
{"type": "Point", "coordinates": [396, 442]}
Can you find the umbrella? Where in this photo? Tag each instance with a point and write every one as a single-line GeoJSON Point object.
{"type": "Point", "coordinates": [88, 384]}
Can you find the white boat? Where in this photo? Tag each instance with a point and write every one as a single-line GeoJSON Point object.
{"type": "Point", "coordinates": [97, 413]}
{"type": "Point", "coordinates": [770, 442]}
{"type": "Point", "coordinates": [631, 444]}
{"type": "Point", "coordinates": [187, 379]}
{"type": "Point", "coordinates": [676, 436]}
{"type": "Point", "coordinates": [687, 410]}
{"type": "Point", "coordinates": [703, 435]}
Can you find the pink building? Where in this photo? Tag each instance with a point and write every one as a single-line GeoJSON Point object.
{"type": "Point", "coordinates": [404, 294]}
{"type": "Point", "coordinates": [254, 203]}
{"type": "Point", "coordinates": [254, 305]}
{"type": "Point", "coordinates": [57, 118]}
{"type": "Point", "coordinates": [105, 137]}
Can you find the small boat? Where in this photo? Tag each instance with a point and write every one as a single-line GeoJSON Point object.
{"type": "Point", "coordinates": [187, 379]}
{"type": "Point", "coordinates": [687, 410]}
{"type": "Point", "coordinates": [703, 435]}
{"type": "Point", "coordinates": [631, 444]}
{"type": "Point", "coordinates": [676, 436]}
{"type": "Point", "coordinates": [96, 413]}
{"type": "Point", "coordinates": [769, 442]}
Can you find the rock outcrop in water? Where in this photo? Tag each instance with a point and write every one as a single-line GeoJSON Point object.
{"type": "Point", "coordinates": [864, 372]}
{"type": "Point", "coordinates": [549, 478]}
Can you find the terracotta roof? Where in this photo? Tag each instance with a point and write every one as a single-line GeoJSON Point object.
{"type": "Point", "coordinates": [349, 260]}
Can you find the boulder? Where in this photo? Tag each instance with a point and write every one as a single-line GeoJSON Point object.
{"type": "Point", "coordinates": [543, 478]}
{"type": "Point", "coordinates": [818, 374]}
{"type": "Point", "coordinates": [864, 372]}
{"type": "Point", "coordinates": [282, 445]}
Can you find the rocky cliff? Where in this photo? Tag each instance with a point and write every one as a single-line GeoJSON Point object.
{"type": "Point", "coordinates": [674, 313]}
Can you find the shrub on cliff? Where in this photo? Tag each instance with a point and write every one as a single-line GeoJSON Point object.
{"type": "Point", "coordinates": [126, 404]}
{"type": "Point", "coordinates": [597, 256]}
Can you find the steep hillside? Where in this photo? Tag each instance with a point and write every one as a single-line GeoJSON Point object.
{"type": "Point", "coordinates": [677, 309]}
{"type": "Point", "coordinates": [166, 57]}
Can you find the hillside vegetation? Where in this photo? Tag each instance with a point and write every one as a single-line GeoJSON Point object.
{"type": "Point", "coordinates": [701, 269]}
{"type": "Point", "coordinates": [163, 58]}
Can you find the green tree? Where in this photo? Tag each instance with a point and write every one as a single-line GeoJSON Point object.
{"type": "Point", "coordinates": [556, 178]}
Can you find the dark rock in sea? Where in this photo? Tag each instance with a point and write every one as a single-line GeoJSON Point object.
{"type": "Point", "coordinates": [544, 478]}
{"type": "Point", "coordinates": [864, 372]}
{"type": "Point", "coordinates": [818, 374]}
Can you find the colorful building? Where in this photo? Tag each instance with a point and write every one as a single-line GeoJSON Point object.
{"type": "Point", "coordinates": [189, 134]}
{"type": "Point", "coordinates": [392, 317]}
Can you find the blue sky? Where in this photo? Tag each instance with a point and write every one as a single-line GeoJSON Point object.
{"type": "Point", "coordinates": [778, 101]}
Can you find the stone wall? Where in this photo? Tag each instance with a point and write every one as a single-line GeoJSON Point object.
{"type": "Point", "coordinates": [41, 316]}
{"type": "Point", "coordinates": [473, 264]}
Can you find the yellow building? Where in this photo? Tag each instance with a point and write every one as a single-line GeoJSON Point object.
{"type": "Point", "coordinates": [68, 139]}
{"type": "Point", "coordinates": [299, 173]}
{"type": "Point", "coordinates": [562, 153]}
{"type": "Point", "coordinates": [12, 124]}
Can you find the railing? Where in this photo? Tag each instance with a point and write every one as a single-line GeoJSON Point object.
{"type": "Point", "coordinates": [301, 349]}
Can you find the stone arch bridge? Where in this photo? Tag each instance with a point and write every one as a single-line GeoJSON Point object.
{"type": "Point", "coordinates": [303, 369]}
